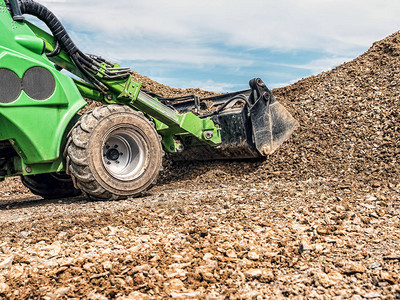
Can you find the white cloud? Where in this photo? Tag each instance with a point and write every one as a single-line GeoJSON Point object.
{"type": "Point", "coordinates": [196, 34]}
{"type": "Point", "coordinates": [319, 65]}
{"type": "Point", "coordinates": [331, 25]}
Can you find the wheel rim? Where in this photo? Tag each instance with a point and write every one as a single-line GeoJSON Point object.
{"type": "Point", "coordinates": [124, 154]}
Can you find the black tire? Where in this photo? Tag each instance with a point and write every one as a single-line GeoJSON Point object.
{"type": "Point", "coordinates": [51, 185]}
{"type": "Point", "coordinates": [113, 152]}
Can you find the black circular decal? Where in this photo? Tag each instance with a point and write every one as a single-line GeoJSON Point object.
{"type": "Point", "coordinates": [10, 86]}
{"type": "Point", "coordinates": [38, 83]}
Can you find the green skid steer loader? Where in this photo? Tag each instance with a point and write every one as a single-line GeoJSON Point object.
{"type": "Point", "coordinates": [116, 150]}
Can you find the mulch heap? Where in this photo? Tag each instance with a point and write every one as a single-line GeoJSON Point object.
{"type": "Point", "coordinates": [349, 126]}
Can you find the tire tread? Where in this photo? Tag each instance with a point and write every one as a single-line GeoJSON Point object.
{"type": "Point", "coordinates": [77, 159]}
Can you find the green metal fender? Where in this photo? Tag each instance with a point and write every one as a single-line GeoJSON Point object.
{"type": "Point", "coordinates": [35, 127]}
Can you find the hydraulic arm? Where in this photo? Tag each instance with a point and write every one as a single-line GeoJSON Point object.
{"type": "Point", "coordinates": [109, 83]}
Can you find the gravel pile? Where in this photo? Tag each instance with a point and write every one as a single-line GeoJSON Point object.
{"type": "Point", "coordinates": [317, 219]}
{"type": "Point", "coordinates": [349, 123]}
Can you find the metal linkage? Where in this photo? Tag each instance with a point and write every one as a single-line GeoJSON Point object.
{"type": "Point", "coordinates": [106, 69]}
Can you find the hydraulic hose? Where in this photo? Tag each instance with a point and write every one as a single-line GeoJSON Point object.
{"type": "Point", "coordinates": [40, 11]}
{"type": "Point", "coordinates": [61, 36]}
{"type": "Point", "coordinates": [56, 51]}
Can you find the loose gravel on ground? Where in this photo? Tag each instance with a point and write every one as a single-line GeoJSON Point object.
{"type": "Point", "coordinates": [318, 219]}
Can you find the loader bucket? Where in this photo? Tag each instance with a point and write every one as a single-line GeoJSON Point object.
{"type": "Point", "coordinates": [253, 124]}
{"type": "Point", "coordinates": [272, 124]}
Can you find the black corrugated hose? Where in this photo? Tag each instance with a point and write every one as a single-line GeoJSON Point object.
{"type": "Point", "coordinates": [38, 10]}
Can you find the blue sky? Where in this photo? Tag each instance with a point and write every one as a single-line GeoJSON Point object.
{"type": "Point", "coordinates": [219, 45]}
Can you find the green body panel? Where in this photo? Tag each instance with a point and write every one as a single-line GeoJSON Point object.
{"type": "Point", "coordinates": [36, 129]}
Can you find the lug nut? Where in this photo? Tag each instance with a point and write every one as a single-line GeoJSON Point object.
{"type": "Point", "coordinates": [208, 135]}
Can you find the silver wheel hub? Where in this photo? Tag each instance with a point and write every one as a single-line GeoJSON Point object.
{"type": "Point", "coordinates": [124, 154]}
